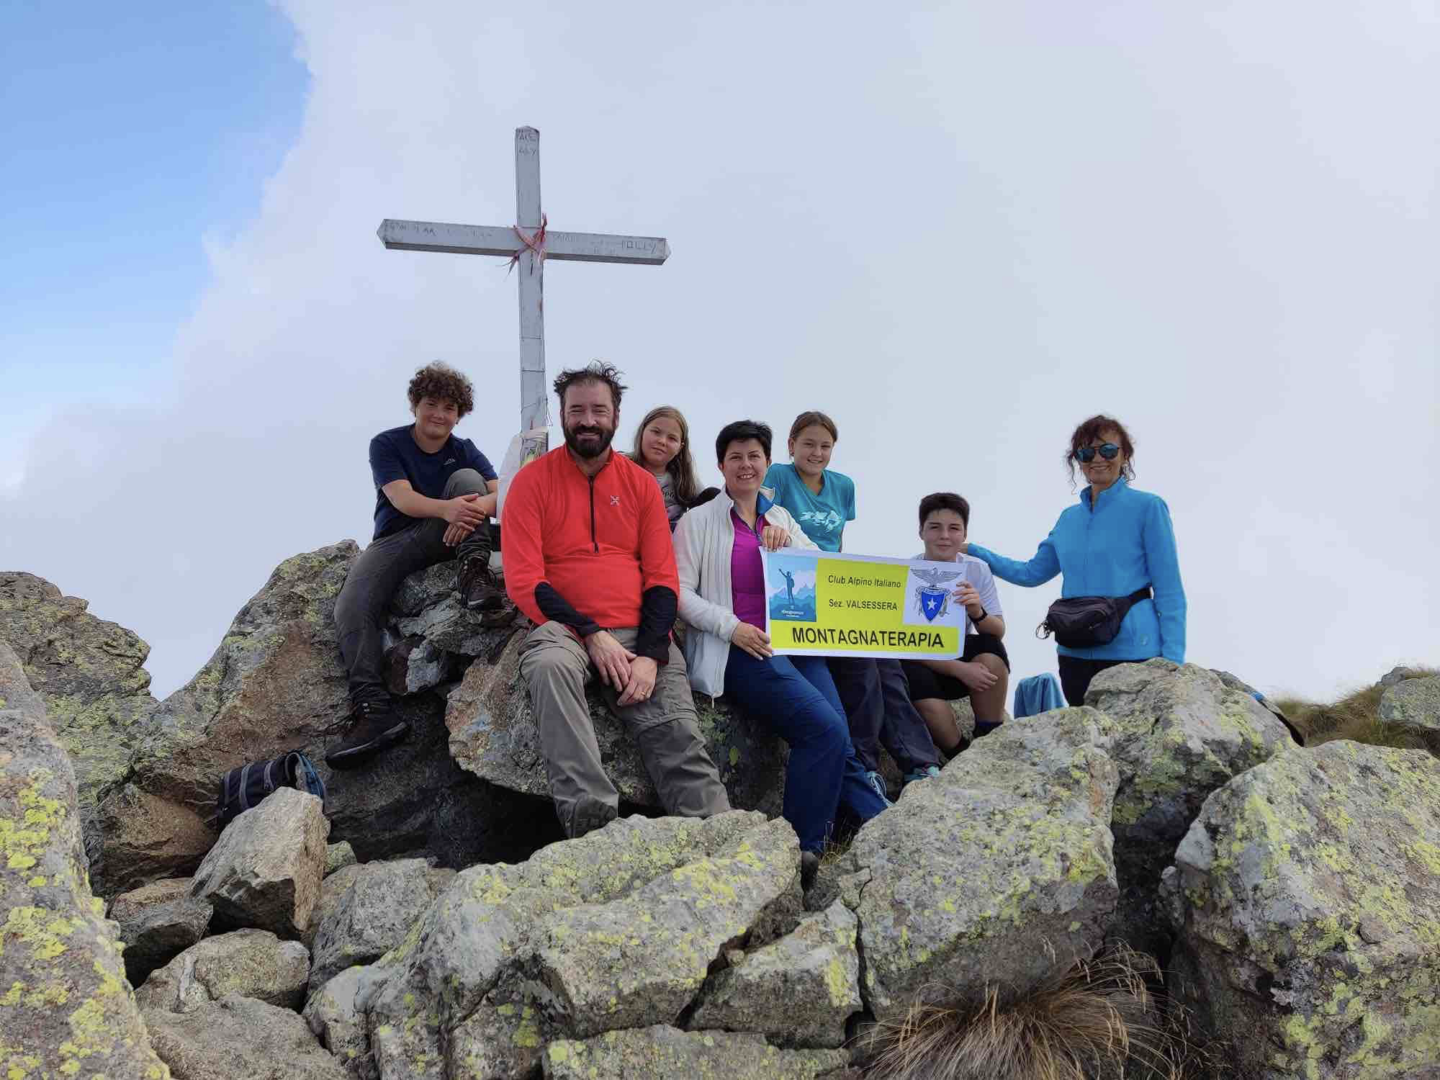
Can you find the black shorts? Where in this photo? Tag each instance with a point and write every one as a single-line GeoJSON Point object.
{"type": "Point", "coordinates": [926, 682]}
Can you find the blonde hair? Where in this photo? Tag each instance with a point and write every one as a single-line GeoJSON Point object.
{"type": "Point", "coordinates": [681, 467]}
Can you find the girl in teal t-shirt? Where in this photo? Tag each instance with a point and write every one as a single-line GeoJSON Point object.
{"type": "Point", "coordinates": [820, 500]}
{"type": "Point", "coordinates": [874, 693]}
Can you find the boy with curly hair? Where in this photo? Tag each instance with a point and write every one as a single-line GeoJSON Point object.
{"type": "Point", "coordinates": [434, 495]}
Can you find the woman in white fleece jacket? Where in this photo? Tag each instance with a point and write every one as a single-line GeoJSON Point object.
{"type": "Point", "coordinates": [722, 597]}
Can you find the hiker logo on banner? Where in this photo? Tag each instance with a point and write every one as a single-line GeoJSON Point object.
{"type": "Point", "coordinates": [821, 603]}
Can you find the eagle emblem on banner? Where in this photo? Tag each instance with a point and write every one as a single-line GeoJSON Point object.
{"type": "Point", "coordinates": [933, 598]}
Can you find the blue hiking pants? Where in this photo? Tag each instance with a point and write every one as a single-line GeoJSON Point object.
{"type": "Point", "coordinates": [796, 697]}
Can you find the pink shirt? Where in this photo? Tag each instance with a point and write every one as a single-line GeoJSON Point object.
{"type": "Point", "coordinates": [747, 573]}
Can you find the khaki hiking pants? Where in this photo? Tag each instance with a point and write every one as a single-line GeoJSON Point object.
{"type": "Point", "coordinates": [555, 665]}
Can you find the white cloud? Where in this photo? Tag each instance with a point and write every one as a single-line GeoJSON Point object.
{"type": "Point", "coordinates": [958, 231]}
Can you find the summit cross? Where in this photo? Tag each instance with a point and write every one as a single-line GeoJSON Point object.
{"type": "Point", "coordinates": [528, 243]}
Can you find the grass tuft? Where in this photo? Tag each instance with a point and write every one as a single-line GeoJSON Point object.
{"type": "Point", "coordinates": [1099, 1021]}
{"type": "Point", "coordinates": [1356, 716]}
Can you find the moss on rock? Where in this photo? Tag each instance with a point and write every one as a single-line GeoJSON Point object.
{"type": "Point", "coordinates": [1309, 909]}
{"type": "Point", "coordinates": [65, 1007]}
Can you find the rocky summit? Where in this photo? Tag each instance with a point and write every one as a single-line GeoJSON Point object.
{"type": "Point", "coordinates": [426, 920]}
{"type": "Point", "coordinates": [1307, 896]}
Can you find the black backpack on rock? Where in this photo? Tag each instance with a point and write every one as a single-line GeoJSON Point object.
{"type": "Point", "coordinates": [242, 788]}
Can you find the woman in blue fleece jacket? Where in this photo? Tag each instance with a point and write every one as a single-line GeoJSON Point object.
{"type": "Point", "coordinates": [1115, 541]}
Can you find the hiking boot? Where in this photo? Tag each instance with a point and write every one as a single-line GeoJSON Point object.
{"type": "Point", "coordinates": [478, 591]}
{"type": "Point", "coordinates": [922, 773]}
{"type": "Point", "coordinates": [374, 725]}
{"type": "Point", "coordinates": [809, 867]}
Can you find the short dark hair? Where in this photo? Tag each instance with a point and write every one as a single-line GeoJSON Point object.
{"type": "Point", "coordinates": [944, 500]}
{"type": "Point", "coordinates": [742, 431]}
{"type": "Point", "coordinates": [1090, 430]}
{"type": "Point", "coordinates": [596, 371]}
{"type": "Point", "coordinates": [440, 381]}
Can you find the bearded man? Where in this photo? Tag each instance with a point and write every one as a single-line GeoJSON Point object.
{"type": "Point", "coordinates": [588, 558]}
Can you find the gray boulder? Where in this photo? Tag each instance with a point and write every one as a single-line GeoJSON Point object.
{"type": "Point", "coordinates": [998, 872]}
{"type": "Point", "coordinates": [664, 1053]}
{"type": "Point", "coordinates": [372, 913]}
{"type": "Point", "coordinates": [1413, 703]}
{"type": "Point", "coordinates": [497, 1042]}
{"type": "Point", "coordinates": [1183, 732]}
{"type": "Point", "coordinates": [250, 963]}
{"type": "Point", "coordinates": [276, 684]}
{"type": "Point", "coordinates": [493, 735]}
{"type": "Point", "coordinates": [157, 922]}
{"type": "Point", "coordinates": [1306, 895]}
{"type": "Point", "coordinates": [797, 991]}
{"type": "Point", "coordinates": [618, 928]}
{"type": "Point", "coordinates": [331, 890]}
{"type": "Point", "coordinates": [338, 856]}
{"type": "Point", "coordinates": [265, 870]}
{"type": "Point", "coordinates": [1398, 674]}
{"type": "Point", "coordinates": [239, 1037]}
{"type": "Point", "coordinates": [333, 1019]}
{"type": "Point", "coordinates": [91, 676]}
{"type": "Point", "coordinates": [67, 1005]}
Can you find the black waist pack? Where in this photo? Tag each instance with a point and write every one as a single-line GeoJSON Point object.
{"type": "Point", "coordinates": [242, 788]}
{"type": "Point", "coordinates": [1085, 621]}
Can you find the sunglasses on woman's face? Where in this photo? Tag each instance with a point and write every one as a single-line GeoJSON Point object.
{"type": "Point", "coordinates": [1086, 454]}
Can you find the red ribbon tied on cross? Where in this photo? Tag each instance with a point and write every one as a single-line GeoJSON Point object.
{"type": "Point", "coordinates": [535, 243]}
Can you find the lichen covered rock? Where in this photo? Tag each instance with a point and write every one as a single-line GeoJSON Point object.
{"type": "Point", "coordinates": [493, 735]}
{"type": "Point", "coordinates": [797, 991]}
{"type": "Point", "coordinates": [65, 1005]}
{"type": "Point", "coordinates": [91, 676]}
{"type": "Point", "coordinates": [265, 870]}
{"type": "Point", "coordinates": [333, 1019]}
{"type": "Point", "coordinates": [1413, 703]}
{"type": "Point", "coordinates": [371, 915]}
{"type": "Point", "coordinates": [338, 856]}
{"type": "Point", "coordinates": [998, 872]}
{"type": "Point", "coordinates": [275, 684]}
{"type": "Point", "coordinates": [664, 1053]}
{"type": "Point", "coordinates": [1183, 732]}
{"type": "Point", "coordinates": [1307, 897]}
{"type": "Point", "coordinates": [240, 1037]}
{"type": "Point", "coordinates": [158, 922]}
{"type": "Point", "coordinates": [251, 963]}
{"type": "Point", "coordinates": [617, 928]}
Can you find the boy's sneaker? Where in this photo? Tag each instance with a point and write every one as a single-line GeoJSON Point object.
{"type": "Point", "coordinates": [877, 782]}
{"type": "Point", "coordinates": [478, 591]}
{"type": "Point", "coordinates": [374, 725]}
{"type": "Point", "coordinates": [921, 774]}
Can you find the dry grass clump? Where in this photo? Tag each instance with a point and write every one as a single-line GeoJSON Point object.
{"type": "Point", "coordinates": [1356, 716]}
{"type": "Point", "coordinates": [1099, 1021]}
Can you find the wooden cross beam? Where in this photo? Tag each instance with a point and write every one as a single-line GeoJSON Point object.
{"type": "Point", "coordinates": [525, 242]}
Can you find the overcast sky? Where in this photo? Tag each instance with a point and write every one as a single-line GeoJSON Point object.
{"type": "Point", "coordinates": [958, 228]}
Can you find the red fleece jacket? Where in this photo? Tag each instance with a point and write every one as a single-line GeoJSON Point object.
{"type": "Point", "coordinates": [601, 543]}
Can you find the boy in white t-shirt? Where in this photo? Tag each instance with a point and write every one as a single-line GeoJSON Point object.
{"type": "Point", "coordinates": [982, 671]}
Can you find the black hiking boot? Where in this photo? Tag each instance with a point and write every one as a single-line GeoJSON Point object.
{"type": "Point", "coordinates": [373, 726]}
{"type": "Point", "coordinates": [478, 591]}
{"type": "Point", "coordinates": [809, 867]}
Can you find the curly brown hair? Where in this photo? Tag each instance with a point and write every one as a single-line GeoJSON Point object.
{"type": "Point", "coordinates": [1090, 430]}
{"type": "Point", "coordinates": [440, 381]}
